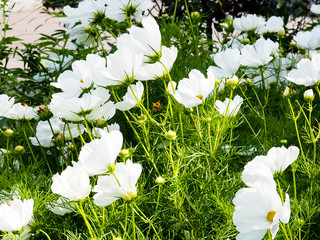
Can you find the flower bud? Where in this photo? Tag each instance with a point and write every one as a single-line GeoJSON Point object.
{"type": "Point", "coordinates": [101, 122]}
{"type": "Point", "coordinates": [246, 41]}
{"type": "Point", "coordinates": [9, 132]}
{"type": "Point", "coordinates": [171, 135]}
{"type": "Point", "coordinates": [124, 153]}
{"type": "Point", "coordinates": [87, 28]}
{"type": "Point", "coordinates": [116, 238]}
{"type": "Point", "coordinates": [283, 141]}
{"type": "Point", "coordinates": [44, 113]}
{"type": "Point", "coordinates": [195, 16]}
{"type": "Point", "coordinates": [160, 180]}
{"type": "Point", "coordinates": [308, 95]}
{"type": "Point", "coordinates": [293, 43]}
{"type": "Point", "coordinates": [19, 149]}
{"type": "Point", "coordinates": [142, 119]}
{"type": "Point", "coordinates": [281, 32]}
{"type": "Point", "coordinates": [232, 82]}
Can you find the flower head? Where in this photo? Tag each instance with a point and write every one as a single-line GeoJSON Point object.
{"type": "Point", "coordinates": [122, 184]}
{"type": "Point", "coordinates": [234, 106]}
{"type": "Point", "coordinates": [95, 157]}
{"type": "Point", "coordinates": [73, 183]}
{"type": "Point", "coordinates": [258, 209]}
{"type": "Point", "coordinates": [16, 214]}
{"type": "Point", "coordinates": [194, 90]}
{"type": "Point", "coordinates": [307, 72]}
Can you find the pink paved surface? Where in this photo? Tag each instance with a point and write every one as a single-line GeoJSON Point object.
{"type": "Point", "coordinates": [28, 24]}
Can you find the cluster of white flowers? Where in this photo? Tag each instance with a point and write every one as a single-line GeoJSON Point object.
{"type": "Point", "coordinates": [259, 207]}
{"type": "Point", "coordinates": [258, 24]}
{"type": "Point", "coordinates": [82, 17]}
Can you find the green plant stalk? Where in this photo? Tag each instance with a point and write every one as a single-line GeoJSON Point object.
{"type": "Point", "coordinates": [145, 219]}
{"type": "Point", "coordinates": [175, 10]}
{"type": "Point", "coordinates": [80, 135]}
{"type": "Point", "coordinates": [81, 211]}
{"type": "Point", "coordinates": [7, 155]}
{"type": "Point", "coordinates": [133, 223]}
{"type": "Point", "coordinates": [72, 140]}
{"type": "Point", "coordinates": [88, 130]}
{"type": "Point", "coordinates": [218, 136]}
{"type": "Point", "coordinates": [295, 118]}
{"type": "Point", "coordinates": [158, 198]}
{"type": "Point", "coordinates": [143, 108]}
{"type": "Point", "coordinates": [26, 137]}
{"type": "Point", "coordinates": [125, 221]}
{"type": "Point", "coordinates": [41, 148]}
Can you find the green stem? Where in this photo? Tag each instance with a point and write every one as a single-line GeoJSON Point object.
{"type": "Point", "coordinates": [133, 223]}
{"type": "Point", "coordinates": [81, 211]}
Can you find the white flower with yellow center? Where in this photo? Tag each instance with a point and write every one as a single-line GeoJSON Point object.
{"type": "Point", "coordinates": [194, 90]}
{"type": "Point", "coordinates": [258, 209]}
{"type": "Point", "coordinates": [121, 184]}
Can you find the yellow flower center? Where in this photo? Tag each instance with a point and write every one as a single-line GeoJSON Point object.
{"type": "Point", "coordinates": [131, 193]}
{"type": "Point", "coordinates": [81, 80]}
{"type": "Point", "coordinates": [270, 216]}
{"type": "Point", "coordinates": [199, 96]}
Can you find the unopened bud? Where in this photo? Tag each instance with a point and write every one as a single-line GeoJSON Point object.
{"type": "Point", "coordinates": [124, 153]}
{"type": "Point", "coordinates": [171, 135]}
{"type": "Point", "coordinates": [101, 122]}
{"type": "Point", "coordinates": [19, 149]}
{"type": "Point", "coordinates": [308, 95]}
{"type": "Point", "coordinates": [283, 141]}
{"type": "Point", "coordinates": [293, 43]}
{"type": "Point", "coordinates": [195, 16]}
{"type": "Point", "coordinates": [246, 41]}
{"type": "Point", "coordinates": [9, 132]}
{"type": "Point", "coordinates": [233, 82]}
{"type": "Point", "coordinates": [87, 28]}
{"type": "Point", "coordinates": [160, 180]}
{"type": "Point", "coordinates": [142, 119]}
{"type": "Point", "coordinates": [281, 32]}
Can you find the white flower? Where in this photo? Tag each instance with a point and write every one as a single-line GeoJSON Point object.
{"type": "Point", "coordinates": [194, 90]}
{"type": "Point", "coordinates": [259, 53]}
{"type": "Point", "coordinates": [315, 8]}
{"type": "Point", "coordinates": [61, 206]}
{"type": "Point", "coordinates": [146, 40]}
{"type": "Point", "coordinates": [123, 65]}
{"type": "Point", "coordinates": [249, 22]}
{"type": "Point", "coordinates": [73, 183]}
{"type": "Point", "coordinates": [84, 12]}
{"type": "Point", "coordinates": [258, 209]}
{"type": "Point", "coordinates": [131, 98]}
{"type": "Point", "coordinates": [5, 104]}
{"type": "Point", "coordinates": [234, 106]}
{"type": "Point", "coordinates": [156, 70]}
{"type": "Point", "coordinates": [307, 72]}
{"type": "Point", "coordinates": [91, 106]}
{"type": "Point", "coordinates": [109, 188]}
{"type": "Point", "coordinates": [228, 62]}
{"type": "Point", "coordinates": [15, 214]}
{"type": "Point", "coordinates": [302, 39]}
{"type": "Point", "coordinates": [20, 111]}
{"type": "Point", "coordinates": [274, 24]}
{"type": "Point", "coordinates": [279, 158]}
{"type": "Point", "coordinates": [60, 129]}
{"type": "Point", "coordinates": [256, 170]}
{"type": "Point", "coordinates": [83, 75]}
{"type": "Point", "coordinates": [20, 5]}
{"type": "Point", "coordinates": [95, 157]}
{"type": "Point", "coordinates": [117, 10]}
